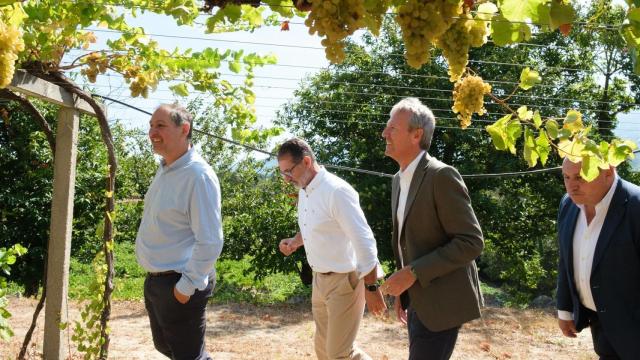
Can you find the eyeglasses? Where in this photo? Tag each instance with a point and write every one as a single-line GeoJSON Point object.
{"type": "Point", "coordinates": [288, 172]}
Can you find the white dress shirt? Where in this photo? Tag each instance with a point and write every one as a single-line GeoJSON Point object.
{"type": "Point", "coordinates": [405, 182]}
{"type": "Point", "coordinates": [181, 226]}
{"type": "Point", "coordinates": [334, 230]}
{"type": "Point", "coordinates": [585, 239]}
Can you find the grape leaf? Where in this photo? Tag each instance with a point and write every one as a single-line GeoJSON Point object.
{"type": "Point", "coordinates": [528, 78]}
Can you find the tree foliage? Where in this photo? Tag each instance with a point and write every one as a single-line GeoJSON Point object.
{"type": "Point", "coordinates": [453, 27]}
{"type": "Point", "coordinates": [342, 111]}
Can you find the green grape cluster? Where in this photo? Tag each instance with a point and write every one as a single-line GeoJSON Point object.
{"type": "Point", "coordinates": [468, 98]}
{"type": "Point", "coordinates": [479, 32]}
{"type": "Point", "coordinates": [422, 23]}
{"type": "Point", "coordinates": [97, 64]}
{"type": "Point", "coordinates": [335, 20]}
{"type": "Point", "coordinates": [374, 16]}
{"type": "Point", "coordinates": [142, 83]}
{"type": "Point", "coordinates": [11, 44]}
{"type": "Point", "coordinates": [458, 39]}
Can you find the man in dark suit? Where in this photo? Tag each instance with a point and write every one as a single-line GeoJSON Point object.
{"type": "Point", "coordinates": [436, 238]}
{"type": "Point", "coordinates": [599, 268]}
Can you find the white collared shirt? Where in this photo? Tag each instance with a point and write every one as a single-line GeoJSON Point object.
{"type": "Point", "coordinates": [585, 239]}
{"type": "Point", "coordinates": [405, 182]}
{"type": "Point", "coordinates": [335, 232]}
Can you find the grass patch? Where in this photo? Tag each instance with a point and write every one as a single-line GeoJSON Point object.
{"type": "Point", "coordinates": [495, 296]}
{"type": "Point", "coordinates": [235, 281]}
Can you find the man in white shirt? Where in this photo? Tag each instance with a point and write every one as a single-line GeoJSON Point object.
{"type": "Point", "coordinates": [180, 238]}
{"type": "Point", "coordinates": [599, 267]}
{"type": "Point", "coordinates": [340, 249]}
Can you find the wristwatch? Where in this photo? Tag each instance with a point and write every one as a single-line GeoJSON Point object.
{"type": "Point", "coordinates": [372, 287]}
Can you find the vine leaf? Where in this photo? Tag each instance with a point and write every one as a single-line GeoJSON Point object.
{"type": "Point", "coordinates": [529, 78]}
{"type": "Point", "coordinates": [504, 32]}
{"type": "Point", "coordinates": [573, 121]}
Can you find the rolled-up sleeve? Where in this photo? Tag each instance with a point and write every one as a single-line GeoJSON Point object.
{"type": "Point", "coordinates": [206, 223]}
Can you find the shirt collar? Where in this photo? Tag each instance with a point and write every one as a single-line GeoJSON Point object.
{"type": "Point", "coordinates": [181, 162]}
{"type": "Point", "coordinates": [409, 170]}
{"type": "Point", "coordinates": [316, 181]}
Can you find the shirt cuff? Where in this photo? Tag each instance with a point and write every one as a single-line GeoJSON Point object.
{"type": "Point", "coordinates": [565, 315]}
{"type": "Point", "coordinates": [185, 287]}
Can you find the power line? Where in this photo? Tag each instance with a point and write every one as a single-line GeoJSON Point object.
{"type": "Point", "coordinates": [339, 167]}
{"type": "Point", "coordinates": [449, 100]}
{"type": "Point", "coordinates": [379, 114]}
{"type": "Point", "coordinates": [535, 97]}
{"type": "Point", "coordinates": [317, 48]}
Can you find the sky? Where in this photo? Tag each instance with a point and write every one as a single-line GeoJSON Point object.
{"type": "Point", "coordinates": [299, 55]}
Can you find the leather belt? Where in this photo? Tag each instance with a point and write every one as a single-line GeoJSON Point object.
{"type": "Point", "coordinates": [327, 273]}
{"type": "Point", "coordinates": [161, 273]}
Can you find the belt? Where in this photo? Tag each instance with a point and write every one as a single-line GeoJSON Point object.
{"type": "Point", "coordinates": [161, 273]}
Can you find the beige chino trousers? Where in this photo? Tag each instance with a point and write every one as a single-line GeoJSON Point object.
{"type": "Point", "coordinates": [337, 303]}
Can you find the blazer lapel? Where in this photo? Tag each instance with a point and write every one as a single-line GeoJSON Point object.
{"type": "Point", "coordinates": [614, 216]}
{"type": "Point", "coordinates": [416, 181]}
{"type": "Point", "coordinates": [395, 195]}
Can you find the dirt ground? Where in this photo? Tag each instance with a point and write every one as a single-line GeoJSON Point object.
{"type": "Point", "coordinates": [242, 331]}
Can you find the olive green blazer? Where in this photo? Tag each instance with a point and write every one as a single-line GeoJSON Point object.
{"type": "Point", "coordinates": [441, 238]}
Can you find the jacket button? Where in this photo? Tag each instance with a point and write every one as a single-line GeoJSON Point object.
{"type": "Point", "coordinates": [595, 287]}
{"type": "Point", "coordinates": [602, 310]}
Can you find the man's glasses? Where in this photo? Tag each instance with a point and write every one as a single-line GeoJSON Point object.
{"type": "Point", "coordinates": [288, 172]}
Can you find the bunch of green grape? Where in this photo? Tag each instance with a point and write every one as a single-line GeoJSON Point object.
{"type": "Point", "coordinates": [374, 16]}
{"type": "Point", "coordinates": [11, 44]}
{"type": "Point", "coordinates": [468, 98]}
{"type": "Point", "coordinates": [97, 63]}
{"type": "Point", "coordinates": [458, 39]}
{"type": "Point", "coordinates": [335, 20]}
{"type": "Point", "coordinates": [422, 23]}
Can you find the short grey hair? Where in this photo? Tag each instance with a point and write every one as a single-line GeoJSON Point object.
{"type": "Point", "coordinates": [421, 118]}
{"type": "Point", "coordinates": [179, 115]}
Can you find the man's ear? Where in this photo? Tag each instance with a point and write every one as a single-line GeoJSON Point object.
{"type": "Point", "coordinates": [417, 134]}
{"type": "Point", "coordinates": [185, 128]}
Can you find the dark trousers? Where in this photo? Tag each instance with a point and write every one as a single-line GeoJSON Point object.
{"type": "Point", "coordinates": [425, 344]}
{"type": "Point", "coordinates": [178, 329]}
{"type": "Point", "coordinates": [601, 343]}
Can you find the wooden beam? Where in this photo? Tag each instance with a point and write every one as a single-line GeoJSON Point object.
{"type": "Point", "coordinates": [64, 179]}
{"type": "Point", "coordinates": [30, 85]}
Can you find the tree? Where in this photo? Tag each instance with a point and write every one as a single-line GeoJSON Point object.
{"type": "Point", "coordinates": [453, 26]}
{"type": "Point", "coordinates": [517, 214]}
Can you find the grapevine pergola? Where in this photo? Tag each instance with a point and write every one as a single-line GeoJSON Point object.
{"type": "Point", "coordinates": [36, 35]}
{"type": "Point", "coordinates": [64, 175]}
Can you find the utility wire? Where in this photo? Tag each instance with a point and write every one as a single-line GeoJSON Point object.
{"type": "Point", "coordinates": [349, 83]}
{"type": "Point", "coordinates": [293, 46]}
{"type": "Point", "coordinates": [338, 167]}
{"type": "Point", "coordinates": [449, 100]}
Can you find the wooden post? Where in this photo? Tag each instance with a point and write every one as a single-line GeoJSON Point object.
{"type": "Point", "coordinates": [64, 179]}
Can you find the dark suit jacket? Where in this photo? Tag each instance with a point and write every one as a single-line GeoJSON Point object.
{"type": "Point", "coordinates": [615, 273]}
{"type": "Point", "coordinates": [440, 238]}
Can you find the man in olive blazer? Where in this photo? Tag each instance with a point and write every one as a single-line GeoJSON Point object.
{"type": "Point", "coordinates": [436, 238]}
